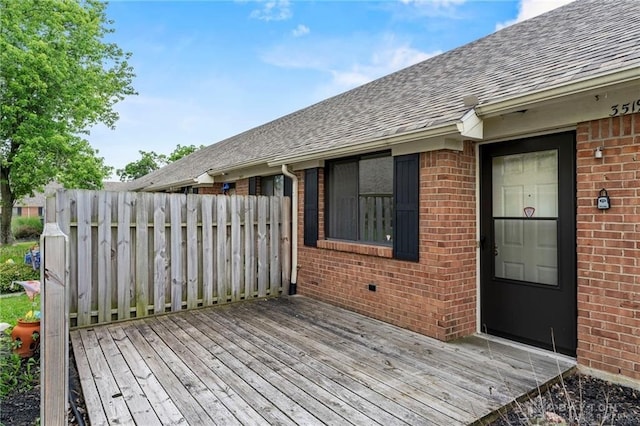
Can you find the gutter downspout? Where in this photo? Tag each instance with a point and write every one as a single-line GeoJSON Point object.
{"type": "Point", "coordinates": [294, 231]}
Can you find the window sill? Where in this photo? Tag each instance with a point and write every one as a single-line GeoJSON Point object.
{"type": "Point", "coordinates": [359, 248]}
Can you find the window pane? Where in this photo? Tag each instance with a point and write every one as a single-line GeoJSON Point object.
{"type": "Point", "coordinates": [526, 250]}
{"type": "Point", "coordinates": [343, 200]}
{"type": "Point", "coordinates": [526, 181]}
{"type": "Point", "coordinates": [278, 185]}
{"type": "Point", "coordinates": [360, 199]}
{"type": "Point", "coordinates": [266, 185]}
{"type": "Point", "coordinates": [376, 175]}
{"type": "Point", "coordinates": [376, 199]}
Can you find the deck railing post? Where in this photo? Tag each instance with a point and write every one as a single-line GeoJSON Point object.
{"type": "Point", "coordinates": [54, 330]}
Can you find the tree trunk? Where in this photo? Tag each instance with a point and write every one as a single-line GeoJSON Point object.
{"type": "Point", "coordinates": [6, 203]}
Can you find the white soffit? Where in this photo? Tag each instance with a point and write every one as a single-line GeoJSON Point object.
{"type": "Point", "coordinates": [560, 113]}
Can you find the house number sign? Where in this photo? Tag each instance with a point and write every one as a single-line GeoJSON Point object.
{"type": "Point", "coordinates": [622, 109]}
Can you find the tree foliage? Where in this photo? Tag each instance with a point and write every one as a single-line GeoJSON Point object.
{"type": "Point", "coordinates": [58, 77]}
{"type": "Point", "coordinates": [151, 161]}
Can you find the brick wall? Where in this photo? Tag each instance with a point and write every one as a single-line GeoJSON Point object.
{"type": "Point", "coordinates": [242, 187]}
{"type": "Point", "coordinates": [609, 246]}
{"type": "Point", "coordinates": [213, 189]}
{"type": "Point", "coordinates": [437, 295]}
{"type": "Point", "coordinates": [28, 211]}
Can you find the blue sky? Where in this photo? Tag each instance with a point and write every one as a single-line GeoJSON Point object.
{"type": "Point", "coordinates": [206, 70]}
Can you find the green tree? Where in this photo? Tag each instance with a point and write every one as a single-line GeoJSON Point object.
{"type": "Point", "coordinates": [182, 151]}
{"type": "Point", "coordinates": [151, 161]}
{"type": "Point", "coordinates": [58, 77]}
{"type": "Point", "coordinates": [148, 162]}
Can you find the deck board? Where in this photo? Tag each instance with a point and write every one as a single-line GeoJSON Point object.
{"type": "Point", "coordinates": [294, 360]}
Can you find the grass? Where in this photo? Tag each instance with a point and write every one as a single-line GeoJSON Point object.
{"type": "Point", "coordinates": [15, 306]}
{"type": "Point", "coordinates": [15, 251]}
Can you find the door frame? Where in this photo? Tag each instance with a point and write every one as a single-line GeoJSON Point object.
{"type": "Point", "coordinates": [566, 170]}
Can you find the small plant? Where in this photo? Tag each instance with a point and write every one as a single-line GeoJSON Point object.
{"type": "Point", "coordinates": [10, 272]}
{"type": "Point", "coordinates": [16, 373]}
{"type": "Point", "coordinates": [13, 267]}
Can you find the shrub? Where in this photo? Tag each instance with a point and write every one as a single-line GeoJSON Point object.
{"type": "Point", "coordinates": [10, 272]}
{"type": "Point", "coordinates": [26, 228]}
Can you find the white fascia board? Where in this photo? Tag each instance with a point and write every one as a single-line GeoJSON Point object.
{"type": "Point", "coordinates": [427, 145]}
{"type": "Point", "coordinates": [238, 173]}
{"type": "Point", "coordinates": [311, 164]}
{"type": "Point", "coordinates": [203, 179]}
{"type": "Point", "coordinates": [169, 186]}
{"type": "Point", "coordinates": [516, 103]}
{"type": "Point", "coordinates": [243, 168]}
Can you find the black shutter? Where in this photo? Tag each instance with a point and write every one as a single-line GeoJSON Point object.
{"type": "Point", "coordinates": [288, 186]}
{"type": "Point", "coordinates": [311, 207]}
{"type": "Point", "coordinates": [253, 185]}
{"type": "Point", "coordinates": [406, 206]}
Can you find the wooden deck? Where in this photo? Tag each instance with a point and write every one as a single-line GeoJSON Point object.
{"type": "Point", "coordinates": [294, 360]}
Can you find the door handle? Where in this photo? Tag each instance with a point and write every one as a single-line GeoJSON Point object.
{"type": "Point", "coordinates": [495, 249]}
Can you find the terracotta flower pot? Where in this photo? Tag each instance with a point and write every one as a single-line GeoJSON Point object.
{"type": "Point", "coordinates": [27, 335]}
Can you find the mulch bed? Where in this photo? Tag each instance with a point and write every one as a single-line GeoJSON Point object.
{"type": "Point", "coordinates": [581, 400]}
{"type": "Point", "coordinates": [592, 402]}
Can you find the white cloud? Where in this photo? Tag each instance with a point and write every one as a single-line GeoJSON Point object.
{"type": "Point", "coordinates": [431, 8]}
{"type": "Point", "coordinates": [300, 30]}
{"type": "Point", "coordinates": [347, 63]}
{"type": "Point", "coordinates": [433, 3]}
{"type": "Point", "coordinates": [273, 10]}
{"type": "Point", "coordinates": [384, 61]}
{"type": "Point", "coordinates": [530, 8]}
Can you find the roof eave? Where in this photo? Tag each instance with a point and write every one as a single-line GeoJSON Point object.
{"type": "Point", "coordinates": [511, 104]}
{"type": "Point", "coordinates": [202, 179]}
{"type": "Point", "coordinates": [448, 129]}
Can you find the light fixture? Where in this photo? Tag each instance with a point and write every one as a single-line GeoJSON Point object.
{"type": "Point", "coordinates": [598, 153]}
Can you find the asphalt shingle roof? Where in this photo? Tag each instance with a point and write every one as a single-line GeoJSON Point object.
{"type": "Point", "coordinates": [583, 39]}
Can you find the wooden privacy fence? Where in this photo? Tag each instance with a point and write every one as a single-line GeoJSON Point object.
{"type": "Point", "coordinates": [139, 254]}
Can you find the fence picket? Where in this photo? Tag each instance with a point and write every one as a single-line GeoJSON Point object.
{"type": "Point", "coordinates": [274, 239]}
{"type": "Point", "coordinates": [84, 257]}
{"type": "Point", "coordinates": [208, 258]}
{"type": "Point", "coordinates": [124, 255]}
{"type": "Point", "coordinates": [250, 275]}
{"type": "Point", "coordinates": [159, 253]}
{"type": "Point", "coordinates": [237, 264]}
{"type": "Point", "coordinates": [142, 247]}
{"type": "Point", "coordinates": [104, 256]}
{"type": "Point", "coordinates": [192, 251]}
{"type": "Point", "coordinates": [263, 248]}
{"type": "Point", "coordinates": [177, 270]}
{"type": "Point", "coordinates": [221, 248]}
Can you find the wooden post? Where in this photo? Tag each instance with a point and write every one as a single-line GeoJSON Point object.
{"type": "Point", "coordinates": [54, 328]}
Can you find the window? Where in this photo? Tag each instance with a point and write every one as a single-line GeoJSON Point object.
{"type": "Point", "coordinates": [405, 222]}
{"type": "Point", "coordinates": [360, 199]}
{"type": "Point", "coordinates": [272, 185]}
